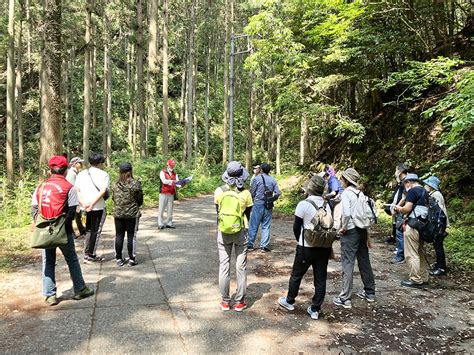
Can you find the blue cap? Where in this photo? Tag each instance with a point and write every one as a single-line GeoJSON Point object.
{"type": "Point", "coordinates": [433, 182]}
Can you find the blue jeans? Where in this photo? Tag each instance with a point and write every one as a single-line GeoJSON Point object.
{"type": "Point", "coordinates": [400, 245]}
{"type": "Point", "coordinates": [262, 215]}
{"type": "Point", "coordinates": [49, 265]}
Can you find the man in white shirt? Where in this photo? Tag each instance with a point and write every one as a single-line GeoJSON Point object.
{"type": "Point", "coordinates": [92, 185]}
{"type": "Point", "coordinates": [75, 166]}
{"type": "Point", "coordinates": [168, 179]}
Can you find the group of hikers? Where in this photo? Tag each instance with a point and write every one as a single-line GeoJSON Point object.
{"type": "Point", "coordinates": [331, 209]}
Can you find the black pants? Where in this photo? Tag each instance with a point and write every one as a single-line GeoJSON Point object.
{"type": "Point", "coordinates": [317, 258]}
{"type": "Point", "coordinates": [122, 225]}
{"type": "Point", "coordinates": [439, 250]}
{"type": "Point", "coordinates": [93, 229]}
{"type": "Point", "coordinates": [80, 226]}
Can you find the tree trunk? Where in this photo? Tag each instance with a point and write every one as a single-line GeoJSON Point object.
{"type": "Point", "coordinates": [28, 39]}
{"type": "Point", "coordinates": [226, 80]}
{"type": "Point", "coordinates": [252, 102]}
{"type": "Point", "coordinates": [51, 133]}
{"type": "Point", "coordinates": [190, 85]}
{"type": "Point", "coordinates": [107, 105]}
{"type": "Point", "coordinates": [152, 116]}
{"type": "Point", "coordinates": [87, 84]}
{"type": "Point", "coordinates": [130, 89]}
{"type": "Point", "coordinates": [206, 104]}
{"type": "Point", "coordinates": [65, 101]}
{"type": "Point", "coordinates": [93, 76]}
{"type": "Point", "coordinates": [140, 88]}
{"type": "Point", "coordinates": [195, 99]}
{"type": "Point", "coordinates": [10, 91]}
{"type": "Point", "coordinates": [278, 146]}
{"type": "Point", "coordinates": [304, 140]}
{"type": "Point", "coordinates": [165, 80]}
{"type": "Point", "coordinates": [19, 91]}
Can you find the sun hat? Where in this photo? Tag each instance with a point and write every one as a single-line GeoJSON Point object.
{"type": "Point", "coordinates": [314, 186]}
{"type": "Point", "coordinates": [171, 163]}
{"type": "Point", "coordinates": [235, 174]}
{"type": "Point", "coordinates": [57, 161]}
{"type": "Point", "coordinates": [75, 160]}
{"type": "Point", "coordinates": [351, 175]}
{"type": "Point", "coordinates": [411, 177]}
{"type": "Point", "coordinates": [433, 182]}
{"type": "Point", "coordinates": [125, 167]}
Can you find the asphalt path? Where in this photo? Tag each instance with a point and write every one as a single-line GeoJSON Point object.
{"type": "Point", "coordinates": [168, 303]}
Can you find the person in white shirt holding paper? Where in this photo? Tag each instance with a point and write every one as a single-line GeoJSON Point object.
{"type": "Point", "coordinates": [168, 180]}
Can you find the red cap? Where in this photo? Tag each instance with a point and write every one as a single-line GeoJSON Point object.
{"type": "Point", "coordinates": [57, 161]}
{"type": "Point", "coordinates": [171, 163]}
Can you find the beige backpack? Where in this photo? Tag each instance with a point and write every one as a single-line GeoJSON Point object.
{"type": "Point", "coordinates": [323, 233]}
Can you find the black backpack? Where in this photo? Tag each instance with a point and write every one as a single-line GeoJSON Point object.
{"type": "Point", "coordinates": [434, 225]}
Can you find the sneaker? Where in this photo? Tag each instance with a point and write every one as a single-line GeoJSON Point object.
{"type": "Point", "coordinates": [314, 314]}
{"type": "Point", "coordinates": [51, 300]}
{"type": "Point", "coordinates": [93, 259]}
{"type": "Point", "coordinates": [344, 303]}
{"type": "Point", "coordinates": [362, 294]}
{"type": "Point", "coordinates": [265, 250]}
{"type": "Point", "coordinates": [171, 226]}
{"type": "Point", "coordinates": [120, 262]}
{"type": "Point", "coordinates": [438, 272]}
{"type": "Point", "coordinates": [398, 261]}
{"type": "Point", "coordinates": [132, 262]}
{"type": "Point", "coordinates": [250, 248]}
{"type": "Point", "coordinates": [390, 240]}
{"type": "Point", "coordinates": [224, 306]}
{"type": "Point", "coordinates": [86, 292]}
{"type": "Point", "coordinates": [239, 307]}
{"type": "Point", "coordinates": [410, 283]}
{"type": "Point", "coordinates": [284, 303]}
{"type": "Point", "coordinates": [161, 227]}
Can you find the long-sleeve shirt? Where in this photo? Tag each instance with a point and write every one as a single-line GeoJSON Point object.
{"type": "Point", "coordinates": [438, 196]}
{"type": "Point", "coordinates": [257, 188]}
{"type": "Point", "coordinates": [166, 181]}
{"type": "Point", "coordinates": [348, 200]}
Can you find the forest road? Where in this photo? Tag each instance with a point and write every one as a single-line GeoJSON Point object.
{"type": "Point", "coordinates": [168, 303]}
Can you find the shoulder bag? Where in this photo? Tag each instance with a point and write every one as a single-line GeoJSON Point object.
{"type": "Point", "coordinates": [107, 192]}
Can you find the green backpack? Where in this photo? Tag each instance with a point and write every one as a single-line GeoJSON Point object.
{"type": "Point", "coordinates": [230, 216]}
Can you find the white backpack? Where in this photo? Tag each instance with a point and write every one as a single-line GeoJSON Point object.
{"type": "Point", "coordinates": [364, 213]}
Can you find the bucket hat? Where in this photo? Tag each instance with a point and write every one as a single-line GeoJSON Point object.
{"type": "Point", "coordinates": [411, 177]}
{"type": "Point", "coordinates": [351, 175]}
{"type": "Point", "coordinates": [314, 186]}
{"type": "Point", "coordinates": [433, 182]}
{"type": "Point", "coordinates": [235, 174]}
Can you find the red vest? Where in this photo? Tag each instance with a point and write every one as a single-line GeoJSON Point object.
{"type": "Point", "coordinates": [168, 189]}
{"type": "Point", "coordinates": [54, 196]}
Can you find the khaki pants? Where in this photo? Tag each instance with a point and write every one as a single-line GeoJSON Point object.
{"type": "Point", "coordinates": [415, 256]}
{"type": "Point", "coordinates": [166, 202]}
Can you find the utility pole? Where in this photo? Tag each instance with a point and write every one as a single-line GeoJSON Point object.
{"type": "Point", "coordinates": [233, 37]}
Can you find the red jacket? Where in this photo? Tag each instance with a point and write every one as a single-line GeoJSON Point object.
{"type": "Point", "coordinates": [168, 189]}
{"type": "Point", "coordinates": [54, 196]}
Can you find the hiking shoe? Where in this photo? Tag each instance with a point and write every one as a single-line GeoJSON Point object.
{"type": "Point", "coordinates": [313, 314]}
{"type": "Point", "coordinates": [161, 227]}
{"type": "Point", "coordinates": [132, 262]}
{"type": "Point", "coordinates": [438, 272]}
{"type": "Point", "coordinates": [265, 250]}
{"type": "Point", "coordinates": [239, 307]}
{"type": "Point", "coordinates": [250, 248]}
{"type": "Point", "coordinates": [365, 296]}
{"type": "Point", "coordinates": [172, 226]}
{"type": "Point", "coordinates": [284, 303]}
{"type": "Point", "coordinates": [398, 261]}
{"type": "Point", "coordinates": [120, 262]}
{"type": "Point", "coordinates": [93, 259]}
{"type": "Point", "coordinates": [51, 300]}
{"type": "Point", "coordinates": [224, 306]}
{"type": "Point", "coordinates": [86, 292]}
{"type": "Point", "coordinates": [338, 301]}
{"type": "Point", "coordinates": [410, 283]}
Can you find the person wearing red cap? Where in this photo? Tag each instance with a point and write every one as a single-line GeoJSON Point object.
{"type": "Point", "coordinates": [168, 179]}
{"type": "Point", "coordinates": [57, 196]}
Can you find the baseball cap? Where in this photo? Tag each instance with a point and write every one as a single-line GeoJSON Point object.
{"type": "Point", "coordinates": [75, 160]}
{"type": "Point", "coordinates": [124, 167]}
{"type": "Point", "coordinates": [171, 163]}
{"type": "Point", "coordinates": [57, 161]}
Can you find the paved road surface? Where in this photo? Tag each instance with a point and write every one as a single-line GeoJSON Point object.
{"type": "Point", "coordinates": [168, 302]}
